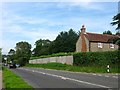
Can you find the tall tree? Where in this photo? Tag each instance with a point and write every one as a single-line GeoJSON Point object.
{"type": "Point", "coordinates": [23, 52]}
{"type": "Point", "coordinates": [107, 32]}
{"type": "Point", "coordinates": [116, 21]}
{"type": "Point", "coordinates": [42, 47]}
{"type": "Point", "coordinates": [65, 41]}
{"type": "Point", "coordinates": [11, 55]}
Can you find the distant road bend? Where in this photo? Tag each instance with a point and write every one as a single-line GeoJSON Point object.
{"type": "Point", "coordinates": [45, 78]}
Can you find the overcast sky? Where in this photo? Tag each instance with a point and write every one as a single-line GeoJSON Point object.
{"type": "Point", "coordinates": [30, 21]}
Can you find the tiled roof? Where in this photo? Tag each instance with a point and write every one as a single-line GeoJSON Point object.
{"type": "Point", "coordinates": [99, 37]}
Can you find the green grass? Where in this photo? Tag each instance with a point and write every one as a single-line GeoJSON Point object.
{"type": "Point", "coordinates": [88, 69]}
{"type": "Point", "coordinates": [11, 80]}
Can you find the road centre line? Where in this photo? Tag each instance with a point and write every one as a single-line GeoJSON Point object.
{"type": "Point", "coordinates": [115, 77]}
{"type": "Point", "coordinates": [92, 74]}
{"type": "Point", "coordinates": [99, 75]}
{"type": "Point", "coordinates": [106, 76]}
{"type": "Point", "coordinates": [69, 78]}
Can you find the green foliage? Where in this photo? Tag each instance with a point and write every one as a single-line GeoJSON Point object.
{"type": "Point", "coordinates": [23, 52]}
{"type": "Point", "coordinates": [11, 80]}
{"type": "Point", "coordinates": [11, 55]}
{"type": "Point", "coordinates": [66, 41]}
{"type": "Point", "coordinates": [107, 32]}
{"type": "Point", "coordinates": [42, 47]}
{"type": "Point", "coordinates": [97, 58]}
{"type": "Point", "coordinates": [118, 33]}
{"type": "Point", "coordinates": [116, 21]}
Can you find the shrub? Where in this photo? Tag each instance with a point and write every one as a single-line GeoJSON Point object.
{"type": "Point", "coordinates": [97, 58]}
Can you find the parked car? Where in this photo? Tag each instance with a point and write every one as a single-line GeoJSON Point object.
{"type": "Point", "coordinates": [17, 65]}
{"type": "Point", "coordinates": [12, 65]}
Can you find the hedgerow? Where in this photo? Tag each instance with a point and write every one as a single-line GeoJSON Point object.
{"type": "Point", "coordinates": [97, 58]}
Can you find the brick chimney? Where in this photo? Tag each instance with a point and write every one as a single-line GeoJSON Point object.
{"type": "Point", "coordinates": [83, 30]}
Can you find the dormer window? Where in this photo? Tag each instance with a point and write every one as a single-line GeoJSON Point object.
{"type": "Point", "coordinates": [100, 45]}
{"type": "Point", "coordinates": [111, 45]}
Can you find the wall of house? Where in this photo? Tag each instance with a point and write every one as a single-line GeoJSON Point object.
{"type": "Point", "coordinates": [106, 47]}
{"type": "Point", "coordinates": [83, 43]}
{"type": "Point", "coordinates": [79, 45]}
{"type": "Point", "coordinates": [87, 44]}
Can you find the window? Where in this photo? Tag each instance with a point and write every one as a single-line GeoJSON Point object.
{"type": "Point", "coordinates": [100, 45]}
{"type": "Point", "coordinates": [111, 45]}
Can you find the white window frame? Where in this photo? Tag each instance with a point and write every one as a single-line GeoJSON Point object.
{"type": "Point", "coordinates": [100, 45]}
{"type": "Point", "coordinates": [112, 45]}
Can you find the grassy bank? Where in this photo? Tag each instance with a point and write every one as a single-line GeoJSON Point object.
{"type": "Point", "coordinates": [11, 80]}
{"type": "Point", "coordinates": [88, 69]}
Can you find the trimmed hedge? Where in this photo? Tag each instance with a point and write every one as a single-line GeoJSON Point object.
{"type": "Point", "coordinates": [97, 58]}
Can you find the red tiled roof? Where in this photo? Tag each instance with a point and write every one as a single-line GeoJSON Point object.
{"type": "Point", "coordinates": [99, 37]}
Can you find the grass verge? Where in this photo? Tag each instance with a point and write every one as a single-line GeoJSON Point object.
{"type": "Point", "coordinates": [11, 80]}
{"type": "Point", "coordinates": [88, 69]}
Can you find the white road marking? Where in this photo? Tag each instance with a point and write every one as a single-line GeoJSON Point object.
{"type": "Point", "coordinates": [63, 78]}
{"type": "Point", "coordinates": [94, 74]}
{"type": "Point", "coordinates": [115, 77]}
{"type": "Point", "coordinates": [43, 73]}
{"type": "Point", "coordinates": [106, 76]}
{"type": "Point", "coordinates": [70, 79]}
{"type": "Point", "coordinates": [99, 75]}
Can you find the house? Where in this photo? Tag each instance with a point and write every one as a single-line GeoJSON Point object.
{"type": "Point", "coordinates": [95, 42]}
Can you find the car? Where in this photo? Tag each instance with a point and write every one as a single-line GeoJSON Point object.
{"type": "Point", "coordinates": [17, 65]}
{"type": "Point", "coordinates": [12, 66]}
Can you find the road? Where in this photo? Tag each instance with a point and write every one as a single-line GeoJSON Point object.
{"type": "Point", "coordinates": [46, 78]}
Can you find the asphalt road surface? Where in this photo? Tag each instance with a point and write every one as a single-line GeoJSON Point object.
{"type": "Point", "coordinates": [46, 78]}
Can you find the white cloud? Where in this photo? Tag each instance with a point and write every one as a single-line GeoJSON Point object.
{"type": "Point", "coordinates": [86, 5]}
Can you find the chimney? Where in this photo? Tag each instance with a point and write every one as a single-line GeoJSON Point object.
{"type": "Point", "coordinates": [83, 30]}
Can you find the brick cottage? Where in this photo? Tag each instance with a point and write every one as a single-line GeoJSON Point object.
{"type": "Point", "coordinates": [95, 42]}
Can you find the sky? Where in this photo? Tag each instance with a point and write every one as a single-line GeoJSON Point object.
{"type": "Point", "coordinates": [31, 21]}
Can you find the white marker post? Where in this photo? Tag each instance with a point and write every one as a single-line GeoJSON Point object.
{"type": "Point", "coordinates": [108, 68]}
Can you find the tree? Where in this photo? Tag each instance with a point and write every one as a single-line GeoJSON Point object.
{"type": "Point", "coordinates": [107, 32]}
{"type": "Point", "coordinates": [117, 33]}
{"type": "Point", "coordinates": [116, 21]}
{"type": "Point", "coordinates": [42, 47]}
{"type": "Point", "coordinates": [65, 41]}
{"type": "Point", "coordinates": [23, 52]}
{"type": "Point", "coordinates": [11, 55]}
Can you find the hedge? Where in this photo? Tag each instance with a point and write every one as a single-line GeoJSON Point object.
{"type": "Point", "coordinates": [97, 58]}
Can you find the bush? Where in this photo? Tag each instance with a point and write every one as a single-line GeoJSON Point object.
{"type": "Point", "coordinates": [97, 58]}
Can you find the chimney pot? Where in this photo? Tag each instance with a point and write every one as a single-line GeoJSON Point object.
{"type": "Point", "coordinates": [83, 29]}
